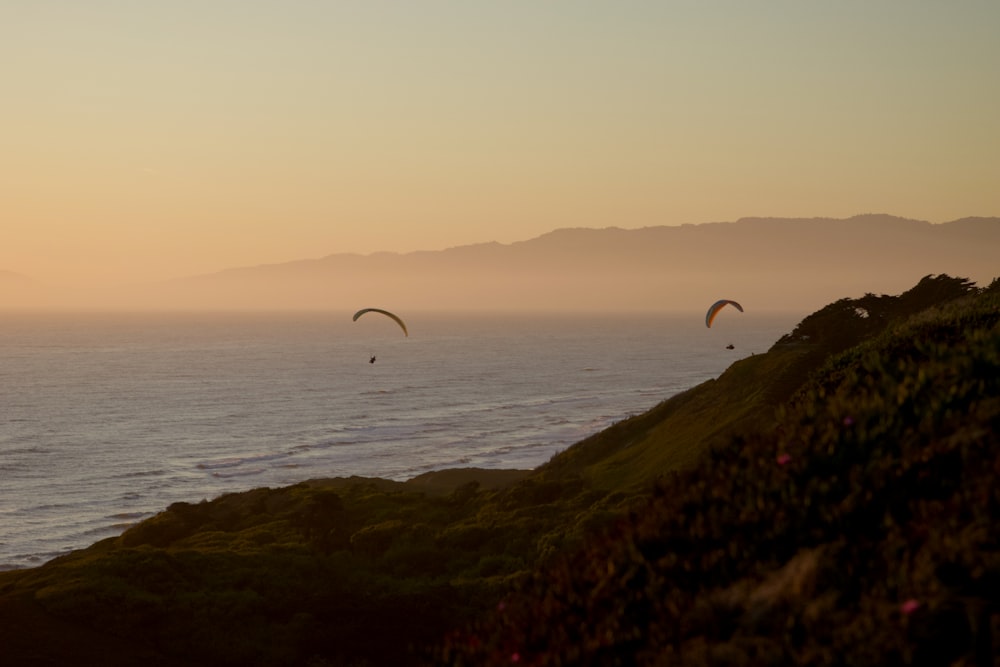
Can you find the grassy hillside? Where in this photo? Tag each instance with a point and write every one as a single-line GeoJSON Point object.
{"type": "Point", "coordinates": [858, 528]}
{"type": "Point", "coordinates": [673, 533]}
{"type": "Point", "coordinates": [678, 432]}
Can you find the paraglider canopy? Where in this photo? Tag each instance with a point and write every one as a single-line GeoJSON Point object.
{"type": "Point", "coordinates": [402, 325]}
{"type": "Point", "coordinates": [716, 307]}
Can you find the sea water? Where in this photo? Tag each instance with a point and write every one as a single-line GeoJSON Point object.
{"type": "Point", "coordinates": [106, 419]}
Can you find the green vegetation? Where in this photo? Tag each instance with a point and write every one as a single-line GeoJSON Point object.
{"type": "Point", "coordinates": [858, 528]}
{"type": "Point", "coordinates": [829, 502]}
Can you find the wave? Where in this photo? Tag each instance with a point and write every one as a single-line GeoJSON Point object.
{"type": "Point", "coordinates": [139, 474]}
{"type": "Point", "coordinates": [239, 473]}
{"type": "Point", "coordinates": [30, 450]}
{"type": "Point", "coordinates": [48, 507]}
{"type": "Point", "coordinates": [237, 461]}
{"type": "Point", "coordinates": [328, 444]}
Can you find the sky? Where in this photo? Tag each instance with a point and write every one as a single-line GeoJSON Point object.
{"type": "Point", "coordinates": [148, 140]}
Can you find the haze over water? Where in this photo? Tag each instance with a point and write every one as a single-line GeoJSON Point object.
{"type": "Point", "coordinates": [110, 418]}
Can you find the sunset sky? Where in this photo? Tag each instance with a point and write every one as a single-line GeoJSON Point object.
{"type": "Point", "coordinates": [148, 140]}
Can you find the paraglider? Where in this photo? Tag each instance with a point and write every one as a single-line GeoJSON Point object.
{"type": "Point", "coordinates": [399, 321]}
{"type": "Point", "coordinates": [716, 307]}
{"type": "Point", "coordinates": [392, 316]}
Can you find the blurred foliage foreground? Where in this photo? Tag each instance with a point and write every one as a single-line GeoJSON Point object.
{"type": "Point", "coordinates": [830, 502]}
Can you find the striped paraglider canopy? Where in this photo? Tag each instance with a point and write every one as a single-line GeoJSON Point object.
{"type": "Point", "coordinates": [716, 307]}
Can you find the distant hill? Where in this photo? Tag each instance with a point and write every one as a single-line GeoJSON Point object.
{"type": "Point", "coordinates": [768, 264]}
{"type": "Point", "coordinates": [832, 501]}
{"type": "Point", "coordinates": [773, 264]}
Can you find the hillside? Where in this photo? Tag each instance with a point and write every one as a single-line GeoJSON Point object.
{"type": "Point", "coordinates": [859, 527]}
{"type": "Point", "coordinates": [784, 512]}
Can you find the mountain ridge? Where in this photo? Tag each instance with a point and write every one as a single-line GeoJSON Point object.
{"type": "Point", "coordinates": [775, 264]}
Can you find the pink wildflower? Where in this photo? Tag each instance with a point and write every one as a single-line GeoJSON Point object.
{"type": "Point", "coordinates": [909, 606]}
{"type": "Point", "coordinates": [515, 657]}
{"type": "Point", "coordinates": [784, 459]}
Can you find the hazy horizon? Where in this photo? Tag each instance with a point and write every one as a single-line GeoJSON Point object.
{"type": "Point", "coordinates": [774, 265]}
{"type": "Point", "coordinates": [116, 283]}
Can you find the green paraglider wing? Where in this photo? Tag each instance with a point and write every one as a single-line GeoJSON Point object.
{"type": "Point", "coordinates": [402, 325]}
{"type": "Point", "coordinates": [716, 307]}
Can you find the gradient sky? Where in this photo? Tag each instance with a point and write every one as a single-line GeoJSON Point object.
{"type": "Point", "coordinates": [147, 140]}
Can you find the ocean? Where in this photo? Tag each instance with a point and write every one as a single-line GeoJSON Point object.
{"type": "Point", "coordinates": [107, 418]}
